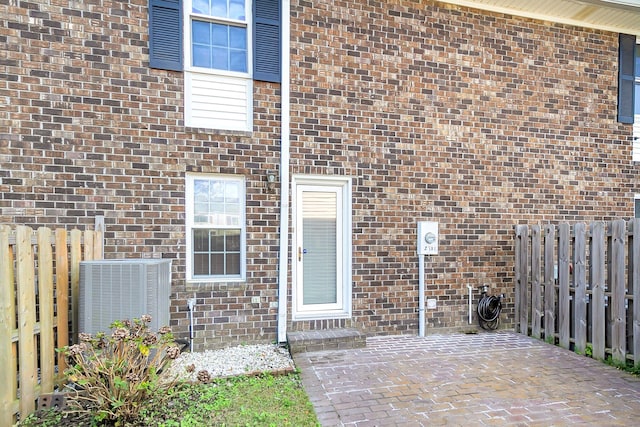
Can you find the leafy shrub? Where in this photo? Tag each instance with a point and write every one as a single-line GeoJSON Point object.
{"type": "Point", "coordinates": [116, 375]}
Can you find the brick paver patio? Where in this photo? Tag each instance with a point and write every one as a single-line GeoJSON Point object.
{"type": "Point", "coordinates": [500, 378]}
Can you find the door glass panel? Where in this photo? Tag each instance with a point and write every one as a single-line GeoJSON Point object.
{"type": "Point", "coordinates": [319, 223]}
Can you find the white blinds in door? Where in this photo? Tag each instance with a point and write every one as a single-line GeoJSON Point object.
{"type": "Point", "coordinates": [319, 223]}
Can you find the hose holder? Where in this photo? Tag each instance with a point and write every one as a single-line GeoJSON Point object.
{"type": "Point", "coordinates": [489, 309]}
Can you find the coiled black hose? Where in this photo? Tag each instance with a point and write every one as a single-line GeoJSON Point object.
{"type": "Point", "coordinates": [489, 309]}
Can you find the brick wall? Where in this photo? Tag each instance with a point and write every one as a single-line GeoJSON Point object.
{"type": "Point", "coordinates": [88, 129]}
{"type": "Point", "coordinates": [476, 120]}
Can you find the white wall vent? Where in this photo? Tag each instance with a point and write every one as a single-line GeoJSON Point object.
{"type": "Point", "coordinates": [113, 290]}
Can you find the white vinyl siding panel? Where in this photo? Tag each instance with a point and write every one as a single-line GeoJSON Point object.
{"type": "Point", "coordinates": [218, 102]}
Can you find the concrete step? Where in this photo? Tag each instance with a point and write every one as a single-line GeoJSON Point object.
{"type": "Point", "coordinates": [325, 339]}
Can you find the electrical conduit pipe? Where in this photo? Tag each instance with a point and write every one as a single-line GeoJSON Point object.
{"type": "Point", "coordinates": [421, 321]}
{"type": "Point", "coordinates": [470, 302]}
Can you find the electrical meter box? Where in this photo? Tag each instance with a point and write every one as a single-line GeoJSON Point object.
{"type": "Point", "coordinates": [428, 238]}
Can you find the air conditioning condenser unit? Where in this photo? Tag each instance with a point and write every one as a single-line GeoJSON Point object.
{"type": "Point", "coordinates": [122, 289]}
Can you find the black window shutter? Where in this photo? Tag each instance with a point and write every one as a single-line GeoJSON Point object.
{"type": "Point", "coordinates": [267, 18]}
{"type": "Point", "coordinates": [626, 78]}
{"type": "Point", "coordinates": [165, 34]}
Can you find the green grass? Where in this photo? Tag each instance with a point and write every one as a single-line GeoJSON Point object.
{"type": "Point", "coordinates": [627, 366]}
{"type": "Point", "coordinates": [265, 400]}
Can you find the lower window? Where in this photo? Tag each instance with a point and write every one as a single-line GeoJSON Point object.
{"type": "Point", "coordinates": [215, 211]}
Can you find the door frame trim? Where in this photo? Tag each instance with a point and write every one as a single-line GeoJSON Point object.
{"type": "Point", "coordinates": [346, 267]}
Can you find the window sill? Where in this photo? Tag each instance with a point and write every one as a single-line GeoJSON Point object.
{"type": "Point", "coordinates": [199, 130]}
{"type": "Point", "coordinates": [328, 315]}
{"type": "Point", "coordinates": [196, 285]}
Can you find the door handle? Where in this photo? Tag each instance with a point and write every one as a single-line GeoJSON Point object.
{"type": "Point", "coordinates": [299, 253]}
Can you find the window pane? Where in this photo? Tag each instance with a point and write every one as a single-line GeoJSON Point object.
{"type": "Point", "coordinates": [200, 6]}
{"type": "Point", "coordinates": [233, 240]}
{"type": "Point", "coordinates": [217, 214]}
{"type": "Point", "coordinates": [232, 217]}
{"type": "Point", "coordinates": [236, 9]}
{"type": "Point", "coordinates": [232, 192]}
{"type": "Point", "coordinates": [233, 264]}
{"type": "Point", "coordinates": [219, 8]}
{"type": "Point", "coordinates": [220, 59]}
{"type": "Point", "coordinates": [220, 35]}
{"type": "Point", "coordinates": [638, 60]}
{"type": "Point", "coordinates": [217, 264]}
{"type": "Point", "coordinates": [217, 241]}
{"type": "Point", "coordinates": [201, 56]}
{"type": "Point", "coordinates": [201, 240]}
{"type": "Point", "coordinates": [201, 190]}
{"type": "Point", "coordinates": [238, 38]}
{"type": "Point", "coordinates": [201, 33]}
{"type": "Point", "coordinates": [201, 265]}
{"type": "Point", "coordinates": [217, 191]}
{"type": "Point", "coordinates": [637, 208]}
{"type": "Point", "coordinates": [238, 61]}
{"type": "Point", "coordinates": [201, 214]}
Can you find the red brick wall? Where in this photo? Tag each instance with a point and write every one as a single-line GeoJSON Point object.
{"type": "Point", "coordinates": [88, 129]}
{"type": "Point", "coordinates": [476, 120]}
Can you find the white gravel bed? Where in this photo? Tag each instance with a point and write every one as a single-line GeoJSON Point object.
{"type": "Point", "coordinates": [232, 361]}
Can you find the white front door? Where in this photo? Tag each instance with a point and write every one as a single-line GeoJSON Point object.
{"type": "Point", "coordinates": [322, 248]}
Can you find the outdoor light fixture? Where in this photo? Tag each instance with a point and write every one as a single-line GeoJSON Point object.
{"type": "Point", "coordinates": [271, 182]}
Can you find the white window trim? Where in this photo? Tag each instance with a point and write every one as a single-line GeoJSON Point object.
{"type": "Point", "coordinates": [189, 212]}
{"type": "Point", "coordinates": [347, 251]}
{"type": "Point", "coordinates": [247, 77]}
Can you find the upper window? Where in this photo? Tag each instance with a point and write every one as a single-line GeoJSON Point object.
{"type": "Point", "coordinates": [215, 227]}
{"type": "Point", "coordinates": [219, 35]}
{"type": "Point", "coordinates": [221, 46]}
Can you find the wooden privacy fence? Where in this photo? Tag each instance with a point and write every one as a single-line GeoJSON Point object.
{"type": "Point", "coordinates": [579, 286]}
{"type": "Point", "coordinates": [39, 286]}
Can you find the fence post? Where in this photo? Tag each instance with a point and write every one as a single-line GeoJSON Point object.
{"type": "Point", "coordinates": [634, 259]}
{"type": "Point", "coordinates": [522, 267]}
{"type": "Point", "coordinates": [8, 388]}
{"type": "Point", "coordinates": [536, 289]}
{"type": "Point", "coordinates": [597, 289]}
{"type": "Point", "coordinates": [25, 279]}
{"type": "Point", "coordinates": [580, 287]}
{"type": "Point", "coordinates": [45, 287]}
{"type": "Point", "coordinates": [549, 285]}
{"type": "Point", "coordinates": [62, 294]}
{"type": "Point", "coordinates": [99, 228]}
{"type": "Point", "coordinates": [564, 304]}
{"type": "Point", "coordinates": [618, 311]}
{"type": "Point", "coordinates": [76, 257]}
